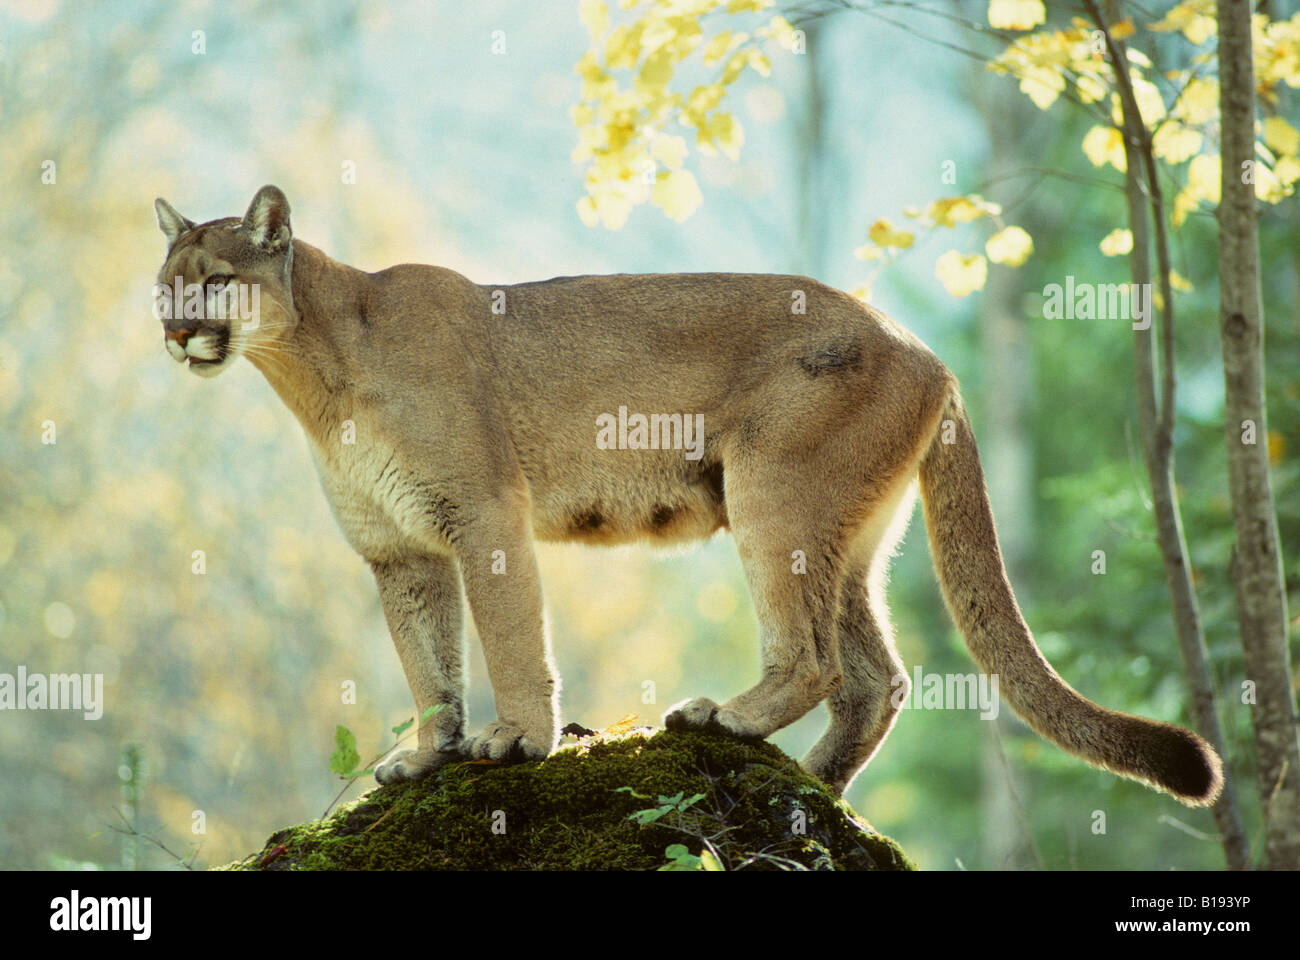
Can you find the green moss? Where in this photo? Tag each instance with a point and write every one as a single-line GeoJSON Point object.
{"type": "Point", "coordinates": [566, 813]}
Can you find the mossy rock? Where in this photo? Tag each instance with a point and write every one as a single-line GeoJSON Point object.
{"type": "Point", "coordinates": [757, 810]}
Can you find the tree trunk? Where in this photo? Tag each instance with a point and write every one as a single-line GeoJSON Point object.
{"type": "Point", "coordinates": [1257, 562]}
{"type": "Point", "coordinates": [1156, 423]}
{"type": "Point", "coordinates": [1006, 360]}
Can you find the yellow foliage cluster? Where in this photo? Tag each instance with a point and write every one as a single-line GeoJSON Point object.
{"type": "Point", "coordinates": [626, 104]}
{"type": "Point", "coordinates": [961, 274]}
{"type": "Point", "coordinates": [631, 158]}
{"type": "Point", "coordinates": [1046, 62]}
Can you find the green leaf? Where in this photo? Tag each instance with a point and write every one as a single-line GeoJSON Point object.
{"type": "Point", "coordinates": [680, 858]}
{"type": "Point", "coordinates": [345, 757]}
{"type": "Point", "coordinates": [631, 792]}
{"type": "Point", "coordinates": [401, 728]}
{"type": "Point", "coordinates": [649, 816]}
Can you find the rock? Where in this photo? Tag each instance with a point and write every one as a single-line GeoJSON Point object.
{"type": "Point", "coordinates": [628, 801]}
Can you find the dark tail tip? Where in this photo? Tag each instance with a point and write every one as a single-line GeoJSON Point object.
{"type": "Point", "coordinates": [1187, 766]}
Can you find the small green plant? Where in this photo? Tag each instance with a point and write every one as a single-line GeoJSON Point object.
{"type": "Point", "coordinates": [678, 803]}
{"type": "Point", "coordinates": [680, 858]}
{"type": "Point", "coordinates": [344, 759]}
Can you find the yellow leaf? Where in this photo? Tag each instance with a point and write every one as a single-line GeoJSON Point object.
{"type": "Point", "coordinates": [677, 193]}
{"type": "Point", "coordinates": [1042, 85]}
{"type": "Point", "coordinates": [668, 150]}
{"type": "Point", "coordinates": [1117, 243]}
{"type": "Point", "coordinates": [1287, 170]}
{"type": "Point", "coordinates": [950, 211]}
{"type": "Point", "coordinates": [614, 210]}
{"type": "Point", "coordinates": [1199, 102]}
{"type": "Point", "coordinates": [1151, 105]}
{"type": "Point", "coordinates": [623, 48]}
{"type": "Point", "coordinates": [701, 101]}
{"type": "Point", "coordinates": [620, 726]}
{"type": "Point", "coordinates": [1175, 142]}
{"type": "Point", "coordinates": [1091, 89]}
{"type": "Point", "coordinates": [863, 292]}
{"type": "Point", "coordinates": [1276, 448]}
{"type": "Point", "coordinates": [1267, 186]}
{"type": "Point", "coordinates": [1122, 30]}
{"type": "Point", "coordinates": [657, 69]}
{"type": "Point", "coordinates": [961, 275]}
{"type": "Point", "coordinates": [748, 6]}
{"type": "Point", "coordinates": [658, 32]}
{"type": "Point", "coordinates": [1184, 204]}
{"type": "Point", "coordinates": [1280, 136]}
{"type": "Point", "coordinates": [1203, 178]}
{"type": "Point", "coordinates": [882, 232]}
{"type": "Point", "coordinates": [1102, 145]}
{"type": "Point", "coordinates": [1195, 19]}
{"type": "Point", "coordinates": [1179, 282]}
{"type": "Point", "coordinates": [587, 211]}
{"type": "Point", "coordinates": [1011, 246]}
{"type": "Point", "coordinates": [733, 68]}
{"type": "Point", "coordinates": [780, 30]}
{"type": "Point", "coordinates": [717, 48]}
{"type": "Point", "coordinates": [722, 131]}
{"type": "Point", "coordinates": [595, 17]}
{"type": "Point", "coordinates": [1016, 14]}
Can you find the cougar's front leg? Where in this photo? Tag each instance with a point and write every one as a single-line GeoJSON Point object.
{"type": "Point", "coordinates": [505, 598]}
{"type": "Point", "coordinates": [421, 601]}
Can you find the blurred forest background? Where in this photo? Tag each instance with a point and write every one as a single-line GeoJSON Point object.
{"type": "Point", "coordinates": [223, 689]}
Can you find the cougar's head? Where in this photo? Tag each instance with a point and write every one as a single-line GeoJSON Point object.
{"type": "Point", "coordinates": [224, 287]}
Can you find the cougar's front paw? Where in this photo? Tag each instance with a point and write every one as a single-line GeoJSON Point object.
{"type": "Point", "coordinates": [504, 743]}
{"type": "Point", "coordinates": [413, 764]}
{"type": "Point", "coordinates": [705, 715]}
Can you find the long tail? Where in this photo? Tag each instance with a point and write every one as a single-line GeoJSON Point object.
{"type": "Point", "coordinates": [968, 561]}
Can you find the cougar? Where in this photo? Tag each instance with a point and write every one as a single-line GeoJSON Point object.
{"type": "Point", "coordinates": [452, 423]}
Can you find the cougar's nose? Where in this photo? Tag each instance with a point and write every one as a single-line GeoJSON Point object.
{"type": "Point", "coordinates": [180, 336]}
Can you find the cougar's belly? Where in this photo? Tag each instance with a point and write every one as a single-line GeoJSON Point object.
{"type": "Point", "coordinates": [601, 507]}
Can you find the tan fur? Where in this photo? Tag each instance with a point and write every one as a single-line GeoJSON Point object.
{"type": "Point", "coordinates": [475, 432]}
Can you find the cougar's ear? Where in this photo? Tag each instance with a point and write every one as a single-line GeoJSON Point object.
{"type": "Point", "coordinates": [267, 220]}
{"type": "Point", "coordinates": [171, 222]}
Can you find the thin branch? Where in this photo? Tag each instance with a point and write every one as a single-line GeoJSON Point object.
{"type": "Point", "coordinates": [130, 831]}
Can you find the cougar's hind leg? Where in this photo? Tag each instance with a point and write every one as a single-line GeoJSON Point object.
{"type": "Point", "coordinates": [786, 525]}
{"type": "Point", "coordinates": [875, 685]}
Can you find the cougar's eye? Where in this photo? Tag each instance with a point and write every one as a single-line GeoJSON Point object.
{"type": "Point", "coordinates": [218, 280]}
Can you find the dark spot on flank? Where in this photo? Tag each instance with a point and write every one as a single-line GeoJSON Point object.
{"type": "Point", "coordinates": [589, 521]}
{"type": "Point", "coordinates": [834, 357]}
{"type": "Point", "coordinates": [661, 517]}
